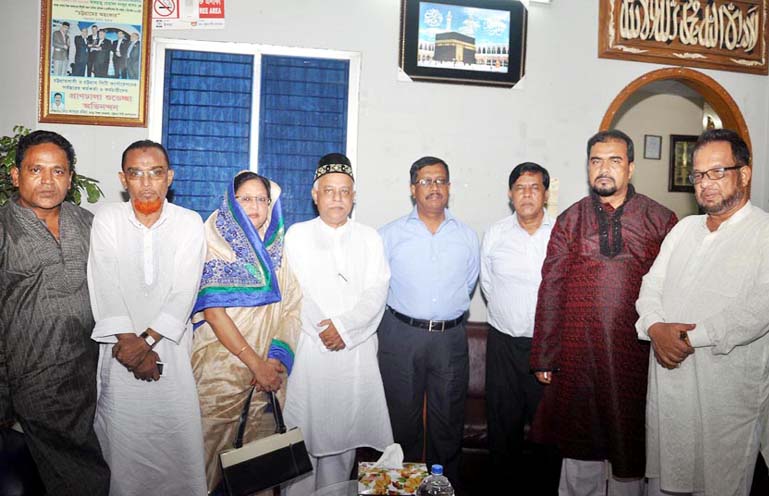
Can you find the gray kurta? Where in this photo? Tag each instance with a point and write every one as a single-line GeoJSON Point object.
{"type": "Point", "coordinates": [47, 359]}
{"type": "Point", "coordinates": [707, 419]}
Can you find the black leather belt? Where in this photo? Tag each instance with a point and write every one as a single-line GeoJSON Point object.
{"type": "Point", "coordinates": [430, 325]}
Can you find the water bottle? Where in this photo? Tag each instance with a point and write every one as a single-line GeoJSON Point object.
{"type": "Point", "coordinates": [435, 484]}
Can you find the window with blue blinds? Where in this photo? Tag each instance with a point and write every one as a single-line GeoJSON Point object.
{"type": "Point", "coordinates": [302, 116]}
{"type": "Point", "coordinates": [206, 123]}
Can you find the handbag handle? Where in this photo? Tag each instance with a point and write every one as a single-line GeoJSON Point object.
{"type": "Point", "coordinates": [280, 426]}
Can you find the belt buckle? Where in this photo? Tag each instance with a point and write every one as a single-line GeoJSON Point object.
{"type": "Point", "coordinates": [442, 326]}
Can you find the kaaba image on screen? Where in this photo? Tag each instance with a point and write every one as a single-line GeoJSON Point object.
{"type": "Point", "coordinates": [454, 47]}
{"type": "Point", "coordinates": [463, 41]}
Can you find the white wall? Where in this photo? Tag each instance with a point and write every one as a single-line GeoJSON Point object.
{"type": "Point", "coordinates": [661, 115]}
{"type": "Point", "coordinates": [481, 132]}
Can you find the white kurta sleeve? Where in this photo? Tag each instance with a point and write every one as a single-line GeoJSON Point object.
{"type": "Point", "coordinates": [311, 313]}
{"type": "Point", "coordinates": [742, 322]}
{"type": "Point", "coordinates": [107, 304]}
{"type": "Point", "coordinates": [171, 321]}
{"type": "Point", "coordinates": [649, 303]}
{"type": "Point", "coordinates": [358, 324]}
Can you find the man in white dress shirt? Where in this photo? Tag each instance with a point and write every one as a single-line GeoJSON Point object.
{"type": "Point", "coordinates": [512, 253]}
{"type": "Point", "coordinates": [335, 393]}
{"type": "Point", "coordinates": [704, 305]}
{"type": "Point", "coordinates": [144, 267]}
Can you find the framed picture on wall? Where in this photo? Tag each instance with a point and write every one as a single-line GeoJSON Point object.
{"type": "Point", "coordinates": [94, 62]}
{"type": "Point", "coordinates": [652, 147]}
{"type": "Point", "coordinates": [681, 162]}
{"type": "Point", "coordinates": [463, 41]}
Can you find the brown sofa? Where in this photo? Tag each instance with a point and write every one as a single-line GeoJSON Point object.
{"type": "Point", "coordinates": [475, 439]}
{"type": "Point", "coordinates": [475, 464]}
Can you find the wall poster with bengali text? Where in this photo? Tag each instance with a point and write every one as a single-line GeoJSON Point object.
{"type": "Point", "coordinates": [94, 60]}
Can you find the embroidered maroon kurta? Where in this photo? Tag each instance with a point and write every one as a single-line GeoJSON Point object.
{"type": "Point", "coordinates": [584, 330]}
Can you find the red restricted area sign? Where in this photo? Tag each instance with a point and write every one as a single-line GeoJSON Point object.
{"type": "Point", "coordinates": [211, 9]}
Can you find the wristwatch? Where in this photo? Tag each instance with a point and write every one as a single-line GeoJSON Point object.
{"type": "Point", "coordinates": [147, 337]}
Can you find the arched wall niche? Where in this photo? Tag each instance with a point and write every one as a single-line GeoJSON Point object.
{"type": "Point", "coordinates": [714, 94]}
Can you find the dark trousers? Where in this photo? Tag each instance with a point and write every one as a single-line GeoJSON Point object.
{"type": "Point", "coordinates": [91, 64]}
{"type": "Point", "coordinates": [121, 69]}
{"type": "Point", "coordinates": [78, 68]}
{"type": "Point", "coordinates": [414, 362]}
{"type": "Point", "coordinates": [101, 66]}
{"type": "Point", "coordinates": [512, 396]}
{"type": "Point", "coordinates": [133, 69]}
{"type": "Point", "coordinates": [56, 410]}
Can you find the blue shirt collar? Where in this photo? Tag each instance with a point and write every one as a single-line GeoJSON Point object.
{"type": "Point", "coordinates": [414, 216]}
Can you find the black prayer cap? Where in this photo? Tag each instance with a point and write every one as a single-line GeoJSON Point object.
{"type": "Point", "coordinates": [333, 163]}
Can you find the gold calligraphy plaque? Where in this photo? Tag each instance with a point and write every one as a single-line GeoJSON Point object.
{"type": "Point", "coordinates": [716, 34]}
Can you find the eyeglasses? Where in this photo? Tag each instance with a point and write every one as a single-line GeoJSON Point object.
{"type": "Point", "coordinates": [258, 200]}
{"type": "Point", "coordinates": [329, 192]}
{"type": "Point", "coordinates": [154, 174]}
{"type": "Point", "coordinates": [713, 174]}
{"type": "Point", "coordinates": [426, 182]}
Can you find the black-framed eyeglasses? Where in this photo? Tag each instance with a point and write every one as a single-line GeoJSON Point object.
{"type": "Point", "coordinates": [713, 174]}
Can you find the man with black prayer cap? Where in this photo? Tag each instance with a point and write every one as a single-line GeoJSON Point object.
{"type": "Point", "coordinates": [335, 393]}
{"type": "Point", "coordinates": [47, 359]}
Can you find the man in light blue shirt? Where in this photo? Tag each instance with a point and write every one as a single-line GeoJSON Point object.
{"type": "Point", "coordinates": [434, 264]}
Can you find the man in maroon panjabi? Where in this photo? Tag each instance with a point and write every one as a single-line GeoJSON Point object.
{"type": "Point", "coordinates": [585, 348]}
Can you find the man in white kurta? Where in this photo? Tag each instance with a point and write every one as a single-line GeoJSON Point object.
{"type": "Point", "coordinates": [705, 306]}
{"type": "Point", "coordinates": [335, 393]}
{"type": "Point", "coordinates": [144, 266]}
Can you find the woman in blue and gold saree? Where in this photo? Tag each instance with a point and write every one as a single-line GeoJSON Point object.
{"type": "Point", "coordinates": [246, 316]}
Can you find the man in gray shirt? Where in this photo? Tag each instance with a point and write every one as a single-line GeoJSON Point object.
{"type": "Point", "coordinates": [47, 359]}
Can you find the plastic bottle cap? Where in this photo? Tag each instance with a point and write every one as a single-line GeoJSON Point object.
{"type": "Point", "coordinates": [437, 469]}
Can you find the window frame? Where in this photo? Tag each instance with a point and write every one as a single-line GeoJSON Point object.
{"type": "Point", "coordinates": [157, 83]}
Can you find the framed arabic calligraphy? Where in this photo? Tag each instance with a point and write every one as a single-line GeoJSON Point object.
{"type": "Point", "coordinates": [715, 34]}
{"type": "Point", "coordinates": [463, 41]}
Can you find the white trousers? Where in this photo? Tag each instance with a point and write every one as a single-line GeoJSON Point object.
{"type": "Point", "coordinates": [589, 478]}
{"type": "Point", "coordinates": [745, 484]}
{"type": "Point", "coordinates": [656, 490]}
{"type": "Point", "coordinates": [744, 490]}
{"type": "Point", "coordinates": [327, 470]}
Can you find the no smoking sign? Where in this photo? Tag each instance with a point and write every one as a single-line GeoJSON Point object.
{"type": "Point", "coordinates": [165, 9]}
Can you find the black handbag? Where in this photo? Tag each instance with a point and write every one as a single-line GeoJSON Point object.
{"type": "Point", "coordinates": [266, 462]}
